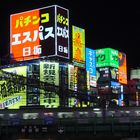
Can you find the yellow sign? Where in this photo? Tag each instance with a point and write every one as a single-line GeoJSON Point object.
{"type": "Point", "coordinates": [78, 43]}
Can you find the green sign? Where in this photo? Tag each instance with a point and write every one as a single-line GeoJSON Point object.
{"type": "Point", "coordinates": [107, 57]}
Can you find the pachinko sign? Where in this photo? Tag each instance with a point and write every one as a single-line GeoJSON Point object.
{"type": "Point", "coordinates": [39, 32]}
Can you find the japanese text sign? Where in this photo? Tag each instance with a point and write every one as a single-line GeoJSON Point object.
{"type": "Point", "coordinates": [39, 32]}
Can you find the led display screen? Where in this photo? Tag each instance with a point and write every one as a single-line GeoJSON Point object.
{"type": "Point", "coordinates": [107, 57]}
{"type": "Point", "coordinates": [78, 46]}
{"type": "Point", "coordinates": [122, 68]}
{"type": "Point", "coordinates": [103, 74]}
{"type": "Point", "coordinates": [39, 32]}
{"type": "Point", "coordinates": [13, 88]}
{"type": "Point", "coordinates": [91, 65]}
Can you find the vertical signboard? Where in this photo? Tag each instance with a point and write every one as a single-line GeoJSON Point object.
{"type": "Point", "coordinates": [122, 68]}
{"type": "Point", "coordinates": [63, 76]}
{"type": "Point", "coordinates": [107, 57]}
{"type": "Point", "coordinates": [62, 32]}
{"type": "Point", "coordinates": [113, 58]}
{"type": "Point", "coordinates": [70, 77]}
{"type": "Point", "coordinates": [114, 74]}
{"type": "Point", "coordinates": [12, 88]}
{"type": "Point", "coordinates": [81, 80]}
{"type": "Point", "coordinates": [49, 72]}
{"type": "Point", "coordinates": [39, 32]}
{"type": "Point", "coordinates": [78, 46]}
{"type": "Point", "coordinates": [88, 80]}
{"type": "Point", "coordinates": [75, 78]}
{"type": "Point", "coordinates": [33, 84]}
{"type": "Point", "coordinates": [91, 65]}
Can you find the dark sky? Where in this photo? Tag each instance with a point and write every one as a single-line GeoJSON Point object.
{"type": "Point", "coordinates": [114, 23]}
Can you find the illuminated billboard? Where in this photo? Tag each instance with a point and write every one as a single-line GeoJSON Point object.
{"type": "Point", "coordinates": [114, 74]}
{"type": "Point", "coordinates": [12, 88]}
{"type": "Point", "coordinates": [122, 68]}
{"type": "Point", "coordinates": [33, 84]}
{"type": "Point", "coordinates": [39, 32]}
{"type": "Point", "coordinates": [75, 78]}
{"type": "Point", "coordinates": [78, 46]}
{"type": "Point", "coordinates": [70, 77]}
{"type": "Point", "coordinates": [115, 87]}
{"type": "Point", "coordinates": [107, 57]}
{"type": "Point", "coordinates": [49, 100]}
{"type": "Point", "coordinates": [91, 65]}
{"type": "Point", "coordinates": [49, 72]}
{"type": "Point", "coordinates": [135, 73]}
{"type": "Point", "coordinates": [103, 74]}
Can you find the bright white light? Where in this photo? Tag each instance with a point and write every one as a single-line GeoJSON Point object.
{"type": "Point", "coordinates": [96, 109]}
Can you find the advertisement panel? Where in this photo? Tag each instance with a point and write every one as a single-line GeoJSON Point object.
{"type": "Point", "coordinates": [122, 68]}
{"type": "Point", "coordinates": [75, 78]}
{"type": "Point", "coordinates": [12, 88]}
{"type": "Point", "coordinates": [88, 80]}
{"type": "Point", "coordinates": [81, 80]}
{"type": "Point", "coordinates": [103, 74]}
{"type": "Point", "coordinates": [49, 72]}
{"type": "Point", "coordinates": [107, 57]}
{"type": "Point", "coordinates": [114, 74]}
{"type": "Point", "coordinates": [49, 99]}
{"type": "Point", "coordinates": [70, 77]}
{"type": "Point", "coordinates": [135, 73]}
{"type": "Point", "coordinates": [62, 32]}
{"type": "Point", "coordinates": [115, 87]}
{"type": "Point", "coordinates": [21, 70]}
{"type": "Point", "coordinates": [78, 46]}
{"type": "Point", "coordinates": [34, 33]}
{"type": "Point", "coordinates": [63, 76]}
{"type": "Point", "coordinates": [91, 65]}
{"type": "Point", "coordinates": [33, 84]}
{"type": "Point", "coordinates": [114, 61]}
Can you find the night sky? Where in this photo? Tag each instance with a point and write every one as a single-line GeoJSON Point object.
{"type": "Point", "coordinates": [114, 24]}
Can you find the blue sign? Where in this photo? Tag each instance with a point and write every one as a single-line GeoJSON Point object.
{"type": "Point", "coordinates": [91, 61]}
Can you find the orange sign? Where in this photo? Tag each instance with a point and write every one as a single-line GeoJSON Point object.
{"type": "Point", "coordinates": [24, 35]}
{"type": "Point", "coordinates": [39, 32]}
{"type": "Point", "coordinates": [122, 68]}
